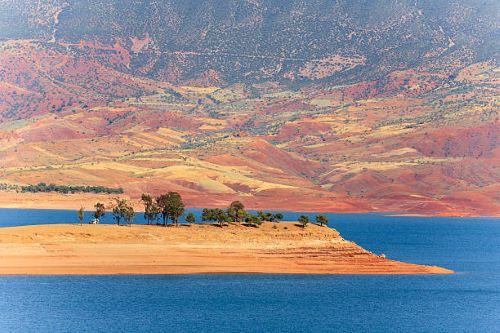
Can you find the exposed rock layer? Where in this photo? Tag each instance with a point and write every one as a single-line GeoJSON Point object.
{"type": "Point", "coordinates": [281, 248]}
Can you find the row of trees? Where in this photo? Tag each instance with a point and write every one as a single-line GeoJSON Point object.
{"type": "Point", "coordinates": [170, 207]}
{"type": "Point", "coordinates": [122, 211]}
{"type": "Point", "coordinates": [167, 207]}
{"type": "Point", "coordinates": [320, 219]}
{"type": "Point", "coordinates": [65, 189]}
{"type": "Point", "coordinates": [236, 213]}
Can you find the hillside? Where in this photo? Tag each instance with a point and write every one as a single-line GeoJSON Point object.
{"type": "Point", "coordinates": [297, 105]}
{"type": "Point", "coordinates": [220, 41]}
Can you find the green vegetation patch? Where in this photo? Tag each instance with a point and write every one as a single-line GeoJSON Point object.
{"type": "Point", "coordinates": [44, 188]}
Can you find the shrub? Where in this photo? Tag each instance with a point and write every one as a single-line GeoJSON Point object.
{"type": "Point", "coordinates": [322, 219]}
{"type": "Point", "coordinates": [304, 220]}
{"type": "Point", "coordinates": [190, 218]}
{"type": "Point", "coordinates": [253, 220]}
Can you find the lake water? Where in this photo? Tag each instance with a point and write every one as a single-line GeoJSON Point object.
{"type": "Point", "coordinates": [465, 302]}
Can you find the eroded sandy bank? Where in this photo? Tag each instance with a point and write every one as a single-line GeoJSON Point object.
{"type": "Point", "coordinates": [282, 248]}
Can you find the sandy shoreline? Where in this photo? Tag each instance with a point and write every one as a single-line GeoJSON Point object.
{"type": "Point", "coordinates": [282, 248]}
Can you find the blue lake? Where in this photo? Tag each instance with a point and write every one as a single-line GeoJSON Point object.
{"type": "Point", "coordinates": [465, 302]}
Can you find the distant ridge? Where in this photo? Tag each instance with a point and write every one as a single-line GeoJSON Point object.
{"type": "Point", "coordinates": [179, 40]}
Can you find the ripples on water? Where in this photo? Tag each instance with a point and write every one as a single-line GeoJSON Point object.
{"type": "Point", "coordinates": [465, 302]}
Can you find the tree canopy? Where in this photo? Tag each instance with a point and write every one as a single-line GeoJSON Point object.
{"type": "Point", "coordinates": [268, 216]}
{"type": "Point", "coordinates": [322, 219]}
{"type": "Point", "coordinates": [123, 210]}
{"type": "Point", "coordinates": [151, 209]}
{"type": "Point", "coordinates": [44, 188]}
{"type": "Point", "coordinates": [174, 206]}
{"type": "Point", "coordinates": [190, 218]}
{"type": "Point", "coordinates": [214, 215]}
{"type": "Point", "coordinates": [253, 220]}
{"type": "Point", "coordinates": [162, 203]}
{"type": "Point", "coordinates": [236, 211]}
{"type": "Point", "coordinates": [100, 210]}
{"type": "Point", "coordinates": [304, 220]}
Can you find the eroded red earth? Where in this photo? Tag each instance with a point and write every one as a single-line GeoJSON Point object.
{"type": "Point", "coordinates": [415, 141]}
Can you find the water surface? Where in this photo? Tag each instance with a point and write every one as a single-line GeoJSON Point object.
{"type": "Point", "coordinates": [465, 302]}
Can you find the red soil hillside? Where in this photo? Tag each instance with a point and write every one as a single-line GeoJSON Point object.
{"type": "Point", "coordinates": [417, 140]}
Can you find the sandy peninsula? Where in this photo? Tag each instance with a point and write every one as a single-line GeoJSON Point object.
{"type": "Point", "coordinates": [282, 248]}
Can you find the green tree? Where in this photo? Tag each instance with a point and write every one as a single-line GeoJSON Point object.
{"type": "Point", "coordinates": [262, 215]}
{"type": "Point", "coordinates": [174, 207]}
{"type": "Point", "coordinates": [304, 220]}
{"type": "Point", "coordinates": [236, 211]}
{"type": "Point", "coordinates": [267, 216]}
{"type": "Point", "coordinates": [120, 210]}
{"type": "Point", "coordinates": [253, 220]}
{"type": "Point", "coordinates": [162, 203]}
{"type": "Point", "coordinates": [123, 211]}
{"type": "Point", "coordinates": [215, 215]}
{"type": "Point", "coordinates": [81, 215]}
{"type": "Point", "coordinates": [100, 210]}
{"type": "Point", "coordinates": [220, 216]}
{"type": "Point", "coordinates": [278, 217]}
{"type": "Point", "coordinates": [151, 209]}
{"type": "Point", "coordinates": [241, 215]}
{"type": "Point", "coordinates": [208, 215]}
{"type": "Point", "coordinates": [322, 219]}
{"type": "Point", "coordinates": [190, 218]}
{"type": "Point", "coordinates": [129, 214]}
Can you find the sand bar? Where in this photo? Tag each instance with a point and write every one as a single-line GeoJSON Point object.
{"type": "Point", "coordinates": [277, 248]}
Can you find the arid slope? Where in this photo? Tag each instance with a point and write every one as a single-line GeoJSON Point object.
{"type": "Point", "coordinates": [414, 141]}
{"type": "Point", "coordinates": [296, 105]}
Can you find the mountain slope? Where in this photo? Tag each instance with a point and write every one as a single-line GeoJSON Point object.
{"type": "Point", "coordinates": [234, 41]}
{"type": "Point", "coordinates": [300, 105]}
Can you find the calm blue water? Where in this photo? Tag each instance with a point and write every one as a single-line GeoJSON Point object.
{"type": "Point", "coordinates": [465, 302]}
